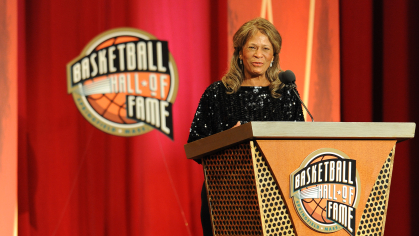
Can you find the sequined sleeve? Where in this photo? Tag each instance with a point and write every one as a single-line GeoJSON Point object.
{"type": "Point", "coordinates": [201, 126]}
{"type": "Point", "coordinates": [296, 110]}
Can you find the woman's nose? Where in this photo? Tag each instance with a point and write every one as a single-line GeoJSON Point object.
{"type": "Point", "coordinates": [258, 53]}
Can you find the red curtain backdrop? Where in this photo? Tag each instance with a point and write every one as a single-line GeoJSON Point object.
{"type": "Point", "coordinates": [379, 57]}
{"type": "Point", "coordinates": [8, 116]}
{"type": "Point", "coordinates": [77, 180]}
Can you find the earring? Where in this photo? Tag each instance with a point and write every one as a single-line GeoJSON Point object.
{"type": "Point", "coordinates": [271, 64]}
{"type": "Point", "coordinates": [240, 61]}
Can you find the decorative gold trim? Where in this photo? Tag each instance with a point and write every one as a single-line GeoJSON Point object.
{"type": "Point", "coordinates": [274, 213]}
{"type": "Point", "coordinates": [374, 217]}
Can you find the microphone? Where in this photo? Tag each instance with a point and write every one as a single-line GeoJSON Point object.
{"type": "Point", "coordinates": [288, 78]}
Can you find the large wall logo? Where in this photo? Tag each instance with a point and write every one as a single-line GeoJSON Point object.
{"type": "Point", "coordinates": [125, 82]}
{"type": "Point", "coordinates": [325, 191]}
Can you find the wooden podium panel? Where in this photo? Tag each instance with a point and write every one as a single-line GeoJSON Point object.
{"type": "Point", "coordinates": [285, 156]}
{"type": "Point", "coordinates": [279, 178]}
{"type": "Point", "coordinates": [232, 193]}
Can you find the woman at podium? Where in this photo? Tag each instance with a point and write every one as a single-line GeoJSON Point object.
{"type": "Point", "coordinates": [249, 91]}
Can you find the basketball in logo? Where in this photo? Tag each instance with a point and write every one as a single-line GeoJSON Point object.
{"type": "Point", "coordinates": [324, 190]}
{"type": "Point", "coordinates": [125, 82]}
{"type": "Point", "coordinates": [111, 105]}
{"type": "Point", "coordinates": [316, 207]}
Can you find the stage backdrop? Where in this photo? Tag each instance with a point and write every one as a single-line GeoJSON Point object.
{"type": "Point", "coordinates": [379, 56]}
{"type": "Point", "coordinates": [77, 180]}
{"type": "Point", "coordinates": [8, 117]}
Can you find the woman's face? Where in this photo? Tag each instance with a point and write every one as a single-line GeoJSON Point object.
{"type": "Point", "coordinates": [257, 55]}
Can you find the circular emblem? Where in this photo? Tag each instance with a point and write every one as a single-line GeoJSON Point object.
{"type": "Point", "coordinates": [125, 82]}
{"type": "Point", "coordinates": [325, 191]}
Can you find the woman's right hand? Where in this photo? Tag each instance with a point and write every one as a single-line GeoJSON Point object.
{"type": "Point", "coordinates": [237, 124]}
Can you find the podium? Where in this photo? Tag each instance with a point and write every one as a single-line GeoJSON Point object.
{"type": "Point", "coordinates": [300, 178]}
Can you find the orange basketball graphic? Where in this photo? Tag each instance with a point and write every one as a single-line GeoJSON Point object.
{"type": "Point", "coordinates": [112, 106]}
{"type": "Point", "coordinates": [316, 208]}
{"type": "Point", "coordinates": [125, 82]}
{"type": "Point", "coordinates": [324, 190]}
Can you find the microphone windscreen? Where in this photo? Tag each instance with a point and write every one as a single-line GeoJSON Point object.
{"type": "Point", "coordinates": [287, 77]}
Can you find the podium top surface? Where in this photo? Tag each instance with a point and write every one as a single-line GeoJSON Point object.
{"type": "Point", "coordinates": [285, 130]}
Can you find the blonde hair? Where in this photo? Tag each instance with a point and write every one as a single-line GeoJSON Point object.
{"type": "Point", "coordinates": [235, 75]}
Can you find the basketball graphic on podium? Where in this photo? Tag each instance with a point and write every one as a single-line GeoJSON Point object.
{"type": "Point", "coordinates": [324, 189]}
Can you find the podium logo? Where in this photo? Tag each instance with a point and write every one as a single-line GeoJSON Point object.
{"type": "Point", "coordinates": [125, 82]}
{"type": "Point", "coordinates": [325, 191]}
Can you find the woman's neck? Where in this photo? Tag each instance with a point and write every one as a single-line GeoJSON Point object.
{"type": "Point", "coordinates": [256, 81]}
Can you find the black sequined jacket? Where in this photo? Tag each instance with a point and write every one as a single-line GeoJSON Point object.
{"type": "Point", "coordinates": [218, 111]}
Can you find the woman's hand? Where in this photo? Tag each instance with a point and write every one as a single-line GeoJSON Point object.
{"type": "Point", "coordinates": [237, 124]}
